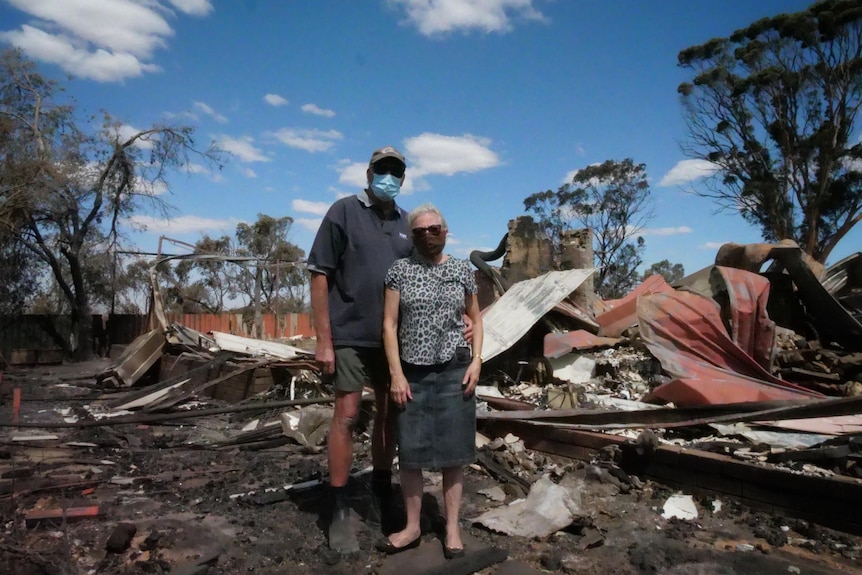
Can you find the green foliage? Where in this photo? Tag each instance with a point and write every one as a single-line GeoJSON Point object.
{"type": "Point", "coordinates": [774, 107]}
{"type": "Point", "coordinates": [612, 199]}
{"type": "Point", "coordinates": [671, 273]}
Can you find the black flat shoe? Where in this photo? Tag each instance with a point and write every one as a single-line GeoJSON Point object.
{"type": "Point", "coordinates": [453, 552]}
{"type": "Point", "coordinates": [386, 546]}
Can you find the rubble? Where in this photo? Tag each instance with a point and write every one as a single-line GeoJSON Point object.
{"type": "Point", "coordinates": [603, 431]}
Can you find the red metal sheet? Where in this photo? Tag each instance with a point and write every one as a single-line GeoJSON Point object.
{"type": "Point", "coordinates": [623, 312]}
{"type": "Point", "coordinates": [712, 386]}
{"type": "Point", "coordinates": [750, 326]}
{"type": "Point", "coordinates": [559, 344]}
{"type": "Point", "coordinates": [686, 333]}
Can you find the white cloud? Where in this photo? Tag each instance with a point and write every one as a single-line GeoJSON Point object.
{"type": "Point", "coordinates": [151, 188]}
{"type": "Point", "coordinates": [313, 109]}
{"type": "Point", "coordinates": [354, 175]}
{"type": "Point", "coordinates": [570, 176]}
{"type": "Point", "coordinates": [852, 165]}
{"type": "Point", "coordinates": [687, 171]}
{"type": "Point", "coordinates": [101, 65]}
{"type": "Point", "coordinates": [102, 40]}
{"type": "Point", "coordinates": [127, 131]}
{"type": "Point", "coordinates": [193, 7]}
{"type": "Point", "coordinates": [183, 224]}
{"type": "Point", "coordinates": [439, 16]}
{"type": "Point", "coordinates": [209, 111]}
{"type": "Point", "coordinates": [316, 208]}
{"type": "Point", "coordinates": [248, 173]}
{"type": "Point", "coordinates": [713, 245]}
{"type": "Point", "coordinates": [428, 155]}
{"type": "Point", "coordinates": [308, 140]}
{"type": "Point", "coordinates": [275, 100]}
{"type": "Point", "coordinates": [308, 223]}
{"type": "Point", "coordinates": [212, 175]}
{"type": "Point", "coordinates": [671, 231]}
{"type": "Point", "coordinates": [242, 148]}
{"type": "Point", "coordinates": [438, 154]}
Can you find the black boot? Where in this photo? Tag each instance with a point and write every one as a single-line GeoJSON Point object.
{"type": "Point", "coordinates": [379, 490]}
{"type": "Point", "coordinates": [342, 536]}
{"type": "Point", "coordinates": [384, 509]}
{"type": "Point", "coordinates": [381, 505]}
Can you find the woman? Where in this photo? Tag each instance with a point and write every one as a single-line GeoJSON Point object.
{"type": "Point", "coordinates": [433, 372]}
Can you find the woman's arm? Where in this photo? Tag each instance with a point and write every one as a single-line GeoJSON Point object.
{"type": "Point", "coordinates": [471, 377]}
{"type": "Point", "coordinates": [398, 386]}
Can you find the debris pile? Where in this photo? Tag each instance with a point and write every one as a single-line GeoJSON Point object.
{"type": "Point", "coordinates": [732, 387]}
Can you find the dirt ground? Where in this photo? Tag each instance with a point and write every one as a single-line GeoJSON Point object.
{"type": "Point", "coordinates": [190, 507]}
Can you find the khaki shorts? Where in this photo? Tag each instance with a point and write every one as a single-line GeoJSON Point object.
{"type": "Point", "coordinates": [357, 367]}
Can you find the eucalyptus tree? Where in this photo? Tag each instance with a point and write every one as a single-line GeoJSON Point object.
{"type": "Point", "coordinates": [772, 107]}
{"type": "Point", "coordinates": [65, 190]}
{"type": "Point", "coordinates": [612, 199]}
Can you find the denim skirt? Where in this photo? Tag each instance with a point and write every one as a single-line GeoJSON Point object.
{"type": "Point", "coordinates": [437, 428]}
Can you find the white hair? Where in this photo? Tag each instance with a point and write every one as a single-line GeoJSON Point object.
{"type": "Point", "coordinates": [427, 208]}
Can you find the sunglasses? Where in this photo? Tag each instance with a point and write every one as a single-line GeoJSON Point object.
{"type": "Point", "coordinates": [434, 230]}
{"type": "Point", "coordinates": [396, 169]}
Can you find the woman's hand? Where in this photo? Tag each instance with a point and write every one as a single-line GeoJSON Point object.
{"type": "Point", "coordinates": [471, 377]}
{"type": "Point", "coordinates": [399, 389]}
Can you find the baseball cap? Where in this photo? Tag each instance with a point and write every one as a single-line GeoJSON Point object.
{"type": "Point", "coordinates": [386, 152]}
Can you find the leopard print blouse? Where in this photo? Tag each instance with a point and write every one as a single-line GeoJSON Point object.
{"type": "Point", "coordinates": [432, 303]}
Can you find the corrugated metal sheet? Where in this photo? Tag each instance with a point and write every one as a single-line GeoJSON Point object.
{"type": "Point", "coordinates": [559, 344]}
{"type": "Point", "coordinates": [622, 313]}
{"type": "Point", "coordinates": [687, 333]}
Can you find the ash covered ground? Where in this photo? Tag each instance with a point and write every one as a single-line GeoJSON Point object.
{"type": "Point", "coordinates": [186, 505]}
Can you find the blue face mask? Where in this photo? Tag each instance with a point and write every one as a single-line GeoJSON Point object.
{"type": "Point", "coordinates": [385, 186]}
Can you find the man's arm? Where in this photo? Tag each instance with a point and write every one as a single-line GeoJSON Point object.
{"type": "Point", "coordinates": [324, 354]}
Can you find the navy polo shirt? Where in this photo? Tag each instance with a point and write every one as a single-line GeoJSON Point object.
{"type": "Point", "coordinates": [355, 246]}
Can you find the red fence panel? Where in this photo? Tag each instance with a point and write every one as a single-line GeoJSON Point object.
{"type": "Point", "coordinates": [285, 325]}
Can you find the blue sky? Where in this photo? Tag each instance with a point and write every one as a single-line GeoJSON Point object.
{"type": "Point", "coordinates": [490, 100]}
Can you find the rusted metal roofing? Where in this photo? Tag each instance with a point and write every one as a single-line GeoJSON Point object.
{"type": "Point", "coordinates": [559, 344]}
{"type": "Point", "coordinates": [623, 312]}
{"type": "Point", "coordinates": [717, 353]}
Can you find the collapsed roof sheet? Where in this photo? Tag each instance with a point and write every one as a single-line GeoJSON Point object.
{"type": "Point", "coordinates": [524, 304]}
{"type": "Point", "coordinates": [687, 333]}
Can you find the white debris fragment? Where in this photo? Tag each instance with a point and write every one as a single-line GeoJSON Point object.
{"type": "Point", "coordinates": [547, 509]}
{"type": "Point", "coordinates": [716, 506]}
{"type": "Point", "coordinates": [679, 506]}
{"type": "Point", "coordinates": [494, 493]}
{"type": "Point", "coordinates": [574, 369]}
{"type": "Point", "coordinates": [488, 391]}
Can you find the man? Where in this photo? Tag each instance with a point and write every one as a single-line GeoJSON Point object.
{"type": "Point", "coordinates": [359, 239]}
